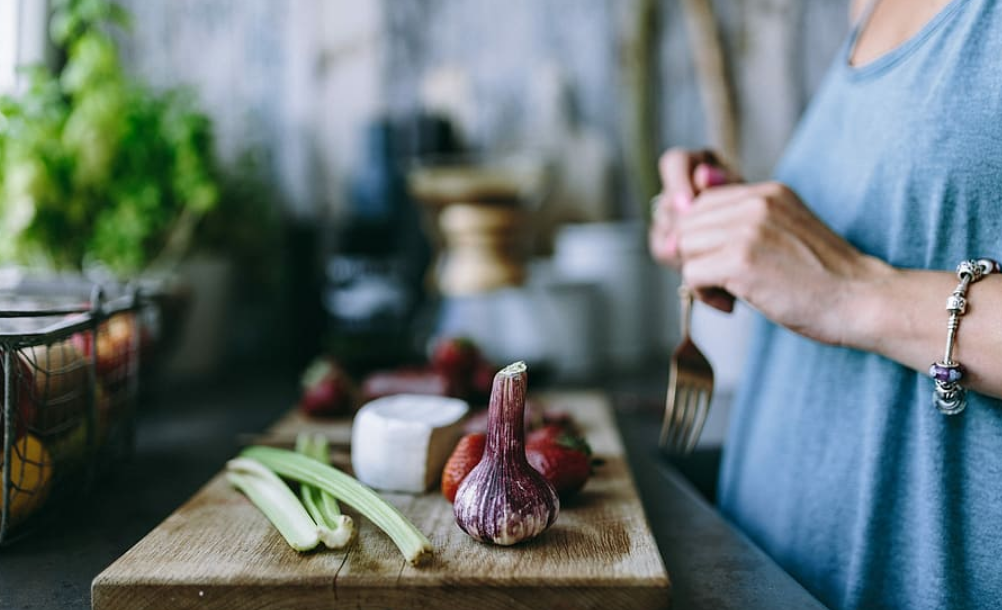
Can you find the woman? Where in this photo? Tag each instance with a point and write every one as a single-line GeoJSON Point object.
{"type": "Point", "coordinates": [838, 462]}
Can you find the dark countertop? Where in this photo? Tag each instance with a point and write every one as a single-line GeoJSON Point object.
{"type": "Point", "coordinates": [187, 431]}
{"type": "Point", "coordinates": [711, 564]}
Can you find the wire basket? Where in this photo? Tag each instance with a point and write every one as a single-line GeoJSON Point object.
{"type": "Point", "coordinates": [69, 382]}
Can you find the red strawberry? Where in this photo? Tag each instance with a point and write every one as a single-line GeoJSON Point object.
{"type": "Point", "coordinates": [464, 457]}
{"type": "Point", "coordinates": [455, 356]}
{"type": "Point", "coordinates": [326, 389]}
{"type": "Point", "coordinates": [563, 420]}
{"type": "Point", "coordinates": [481, 381]}
{"type": "Point", "coordinates": [550, 433]}
{"type": "Point", "coordinates": [565, 461]}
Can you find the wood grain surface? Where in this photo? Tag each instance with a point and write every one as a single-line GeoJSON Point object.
{"type": "Point", "coordinates": [218, 551]}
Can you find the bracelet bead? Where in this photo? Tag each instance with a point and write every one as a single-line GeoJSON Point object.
{"type": "Point", "coordinates": [949, 397]}
{"type": "Point", "coordinates": [947, 373]}
{"type": "Point", "coordinates": [956, 303]}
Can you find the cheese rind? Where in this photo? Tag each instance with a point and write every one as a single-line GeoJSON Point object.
{"type": "Point", "coordinates": [401, 442]}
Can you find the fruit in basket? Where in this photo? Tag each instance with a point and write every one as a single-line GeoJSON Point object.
{"type": "Point", "coordinates": [115, 341]}
{"type": "Point", "coordinates": [30, 477]}
{"type": "Point", "coordinates": [59, 388]}
{"type": "Point", "coordinates": [104, 402]}
{"type": "Point", "coordinates": [69, 450]}
{"type": "Point", "coordinates": [24, 408]}
{"type": "Point", "coordinates": [326, 389]}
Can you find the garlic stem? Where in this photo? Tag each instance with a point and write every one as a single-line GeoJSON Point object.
{"type": "Point", "coordinates": [506, 429]}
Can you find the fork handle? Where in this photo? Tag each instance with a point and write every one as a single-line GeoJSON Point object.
{"type": "Point", "coordinates": [685, 301]}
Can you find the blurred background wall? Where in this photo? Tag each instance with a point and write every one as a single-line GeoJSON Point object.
{"type": "Point", "coordinates": [294, 82]}
{"type": "Point", "coordinates": [298, 78]}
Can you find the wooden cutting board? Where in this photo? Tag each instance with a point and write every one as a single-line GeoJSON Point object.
{"type": "Point", "coordinates": [218, 551]}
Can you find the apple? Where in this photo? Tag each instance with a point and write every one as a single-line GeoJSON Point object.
{"type": "Point", "coordinates": [58, 387]}
{"type": "Point", "coordinates": [115, 339]}
{"type": "Point", "coordinates": [69, 450]}
{"type": "Point", "coordinates": [24, 407]}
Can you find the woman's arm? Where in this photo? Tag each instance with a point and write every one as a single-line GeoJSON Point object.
{"type": "Point", "coordinates": [762, 245]}
{"type": "Point", "coordinates": [907, 318]}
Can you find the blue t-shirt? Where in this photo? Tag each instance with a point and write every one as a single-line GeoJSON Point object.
{"type": "Point", "coordinates": [837, 463]}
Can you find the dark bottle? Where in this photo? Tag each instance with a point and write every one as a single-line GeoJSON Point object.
{"type": "Point", "coordinates": [374, 273]}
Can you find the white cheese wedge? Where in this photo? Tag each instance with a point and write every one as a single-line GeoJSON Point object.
{"type": "Point", "coordinates": [401, 442]}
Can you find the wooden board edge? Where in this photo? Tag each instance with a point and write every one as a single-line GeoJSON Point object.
{"type": "Point", "coordinates": [114, 596]}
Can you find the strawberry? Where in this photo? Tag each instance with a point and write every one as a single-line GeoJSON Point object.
{"type": "Point", "coordinates": [550, 433]}
{"type": "Point", "coordinates": [481, 381]}
{"type": "Point", "coordinates": [326, 389]}
{"type": "Point", "coordinates": [562, 420]}
{"type": "Point", "coordinates": [464, 457]}
{"type": "Point", "coordinates": [456, 358]}
{"type": "Point", "coordinates": [563, 459]}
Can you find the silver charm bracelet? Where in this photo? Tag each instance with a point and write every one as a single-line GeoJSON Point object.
{"type": "Point", "coordinates": [949, 396]}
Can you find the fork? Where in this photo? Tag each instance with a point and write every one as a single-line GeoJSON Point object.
{"type": "Point", "coordinates": [690, 388]}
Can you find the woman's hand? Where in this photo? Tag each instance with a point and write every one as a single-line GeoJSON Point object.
{"type": "Point", "coordinates": [760, 243]}
{"type": "Point", "coordinates": [684, 175]}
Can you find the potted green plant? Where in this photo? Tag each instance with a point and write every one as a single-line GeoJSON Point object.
{"type": "Point", "coordinates": [97, 169]}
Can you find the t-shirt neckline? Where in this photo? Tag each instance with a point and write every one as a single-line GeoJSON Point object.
{"type": "Point", "coordinates": [898, 53]}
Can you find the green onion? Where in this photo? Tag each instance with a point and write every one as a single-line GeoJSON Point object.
{"type": "Point", "coordinates": [335, 530]}
{"type": "Point", "coordinates": [274, 498]}
{"type": "Point", "coordinates": [289, 464]}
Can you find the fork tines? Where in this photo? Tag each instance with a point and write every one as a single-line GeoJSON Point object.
{"type": "Point", "coordinates": [690, 389]}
